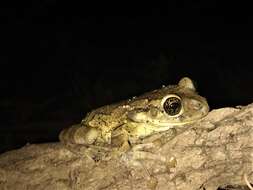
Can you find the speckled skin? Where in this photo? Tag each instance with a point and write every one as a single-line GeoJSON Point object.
{"type": "Point", "coordinates": [138, 117]}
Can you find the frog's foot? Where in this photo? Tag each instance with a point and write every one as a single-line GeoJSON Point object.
{"type": "Point", "coordinates": [149, 153]}
{"type": "Point", "coordinates": [143, 147]}
{"type": "Point", "coordinates": [142, 155]}
{"type": "Point", "coordinates": [142, 151]}
{"type": "Point", "coordinates": [78, 134]}
{"type": "Point", "coordinates": [136, 152]}
{"type": "Point", "coordinates": [120, 139]}
{"type": "Point", "coordinates": [119, 142]}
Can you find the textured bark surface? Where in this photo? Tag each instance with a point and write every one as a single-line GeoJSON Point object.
{"type": "Point", "coordinates": [215, 152]}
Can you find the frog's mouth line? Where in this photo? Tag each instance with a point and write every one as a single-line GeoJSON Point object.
{"type": "Point", "coordinates": [165, 125]}
{"type": "Point", "coordinates": [171, 124]}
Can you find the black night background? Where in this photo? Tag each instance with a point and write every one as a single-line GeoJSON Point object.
{"type": "Point", "coordinates": [59, 61]}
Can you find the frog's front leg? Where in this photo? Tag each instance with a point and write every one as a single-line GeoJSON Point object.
{"type": "Point", "coordinates": [141, 152]}
{"type": "Point", "coordinates": [120, 139]}
{"type": "Point", "coordinates": [77, 134]}
{"type": "Point", "coordinates": [126, 140]}
{"type": "Point", "coordinates": [146, 149]}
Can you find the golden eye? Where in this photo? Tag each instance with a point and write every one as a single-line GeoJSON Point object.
{"type": "Point", "coordinates": [172, 105]}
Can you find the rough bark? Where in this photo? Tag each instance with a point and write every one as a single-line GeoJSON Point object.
{"type": "Point", "coordinates": [215, 152]}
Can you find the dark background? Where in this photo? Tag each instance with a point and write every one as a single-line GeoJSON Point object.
{"type": "Point", "coordinates": [58, 61]}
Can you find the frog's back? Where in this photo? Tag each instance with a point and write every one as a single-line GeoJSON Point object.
{"type": "Point", "coordinates": [109, 116]}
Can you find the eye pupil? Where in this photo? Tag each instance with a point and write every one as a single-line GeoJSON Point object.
{"type": "Point", "coordinates": [172, 106]}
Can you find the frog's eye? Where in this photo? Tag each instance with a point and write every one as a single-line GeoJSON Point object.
{"type": "Point", "coordinates": [172, 105]}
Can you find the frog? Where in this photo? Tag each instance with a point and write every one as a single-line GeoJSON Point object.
{"type": "Point", "coordinates": [129, 121]}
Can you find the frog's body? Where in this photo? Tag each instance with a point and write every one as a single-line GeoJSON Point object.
{"type": "Point", "coordinates": [139, 117]}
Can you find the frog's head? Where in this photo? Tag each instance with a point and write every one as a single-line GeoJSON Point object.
{"type": "Point", "coordinates": [172, 105]}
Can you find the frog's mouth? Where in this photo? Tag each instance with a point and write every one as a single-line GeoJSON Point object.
{"type": "Point", "coordinates": [169, 124]}
{"type": "Point", "coordinates": [158, 123]}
